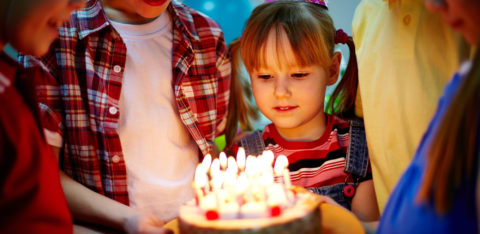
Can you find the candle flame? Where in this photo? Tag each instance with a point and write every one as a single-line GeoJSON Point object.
{"type": "Point", "coordinates": [280, 164]}
{"type": "Point", "coordinates": [283, 160]}
{"type": "Point", "coordinates": [207, 160]}
{"type": "Point", "coordinates": [201, 178]}
{"type": "Point", "coordinates": [269, 157]}
{"type": "Point", "coordinates": [266, 179]}
{"type": "Point", "coordinates": [242, 183]}
{"type": "Point", "coordinates": [251, 166]}
{"type": "Point", "coordinates": [223, 160]}
{"type": "Point", "coordinates": [215, 167]}
{"type": "Point", "coordinates": [230, 176]}
{"type": "Point", "coordinates": [232, 165]}
{"type": "Point", "coordinates": [217, 180]}
{"type": "Point", "coordinates": [263, 164]}
{"type": "Point", "coordinates": [241, 158]}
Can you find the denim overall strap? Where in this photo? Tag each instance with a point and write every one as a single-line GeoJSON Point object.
{"type": "Point", "coordinates": [253, 143]}
{"type": "Point", "coordinates": [357, 154]}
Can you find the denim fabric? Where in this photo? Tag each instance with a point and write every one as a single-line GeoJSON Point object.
{"type": "Point", "coordinates": [357, 154]}
{"type": "Point", "coordinates": [335, 192]}
{"type": "Point", "coordinates": [356, 163]}
{"type": "Point", "coordinates": [253, 143]}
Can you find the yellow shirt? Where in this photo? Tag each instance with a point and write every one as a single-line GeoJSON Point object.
{"type": "Point", "coordinates": [405, 56]}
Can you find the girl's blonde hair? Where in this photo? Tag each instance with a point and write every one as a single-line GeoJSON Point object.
{"type": "Point", "coordinates": [311, 33]}
{"type": "Point", "coordinates": [308, 27]}
{"type": "Point", "coordinates": [453, 154]}
{"type": "Point", "coordinates": [241, 109]}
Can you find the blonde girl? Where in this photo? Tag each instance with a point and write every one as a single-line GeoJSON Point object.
{"type": "Point", "coordinates": [288, 51]}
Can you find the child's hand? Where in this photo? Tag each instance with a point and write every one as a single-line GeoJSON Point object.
{"type": "Point", "coordinates": [145, 223]}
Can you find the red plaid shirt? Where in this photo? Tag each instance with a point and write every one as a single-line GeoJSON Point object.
{"type": "Point", "coordinates": [88, 63]}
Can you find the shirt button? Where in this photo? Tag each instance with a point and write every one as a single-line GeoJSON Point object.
{"type": "Point", "coordinates": [116, 159]}
{"type": "Point", "coordinates": [113, 110]}
{"type": "Point", "coordinates": [117, 68]}
{"type": "Point", "coordinates": [407, 19]}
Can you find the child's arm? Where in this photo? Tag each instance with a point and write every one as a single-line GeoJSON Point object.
{"type": "Point", "coordinates": [364, 203]}
{"type": "Point", "coordinates": [91, 207]}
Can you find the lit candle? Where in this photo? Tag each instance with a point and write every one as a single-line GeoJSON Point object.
{"type": "Point", "coordinates": [266, 179]}
{"type": "Point", "coordinates": [220, 195]}
{"type": "Point", "coordinates": [232, 165]}
{"type": "Point", "coordinates": [263, 165]}
{"type": "Point", "coordinates": [230, 176]}
{"type": "Point", "coordinates": [254, 169]}
{"type": "Point", "coordinates": [223, 160]}
{"type": "Point", "coordinates": [283, 161]}
{"type": "Point", "coordinates": [276, 195]}
{"type": "Point", "coordinates": [242, 183]}
{"type": "Point", "coordinates": [269, 157]}
{"type": "Point", "coordinates": [241, 158]}
{"type": "Point", "coordinates": [281, 172]}
{"type": "Point", "coordinates": [207, 160]}
{"type": "Point", "coordinates": [230, 179]}
{"type": "Point", "coordinates": [217, 176]}
{"type": "Point", "coordinates": [209, 202]}
{"type": "Point", "coordinates": [243, 188]}
{"type": "Point", "coordinates": [251, 166]}
{"type": "Point", "coordinates": [215, 168]}
{"type": "Point", "coordinates": [217, 181]}
{"type": "Point", "coordinates": [279, 166]}
{"type": "Point", "coordinates": [201, 180]}
{"type": "Point", "coordinates": [275, 192]}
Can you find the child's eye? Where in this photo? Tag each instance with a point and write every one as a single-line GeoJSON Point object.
{"type": "Point", "coordinates": [264, 76]}
{"type": "Point", "coordinates": [299, 75]}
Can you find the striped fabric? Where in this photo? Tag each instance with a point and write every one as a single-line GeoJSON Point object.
{"type": "Point", "coordinates": [81, 102]}
{"type": "Point", "coordinates": [317, 163]}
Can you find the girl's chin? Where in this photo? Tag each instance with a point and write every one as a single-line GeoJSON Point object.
{"type": "Point", "coordinates": [39, 48]}
{"type": "Point", "coordinates": [37, 51]}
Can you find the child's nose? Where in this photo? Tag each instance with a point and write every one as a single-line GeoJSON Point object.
{"type": "Point", "coordinates": [282, 89]}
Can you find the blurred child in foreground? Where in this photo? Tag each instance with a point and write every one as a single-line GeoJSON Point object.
{"type": "Point", "coordinates": [31, 198]}
{"type": "Point", "coordinates": [439, 192]}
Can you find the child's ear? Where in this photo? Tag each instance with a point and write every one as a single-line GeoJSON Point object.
{"type": "Point", "coordinates": [334, 68]}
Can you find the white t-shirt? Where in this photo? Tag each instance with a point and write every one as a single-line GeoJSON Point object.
{"type": "Point", "coordinates": [160, 154]}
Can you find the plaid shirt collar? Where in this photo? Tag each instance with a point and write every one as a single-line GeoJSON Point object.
{"type": "Point", "coordinates": [93, 19]}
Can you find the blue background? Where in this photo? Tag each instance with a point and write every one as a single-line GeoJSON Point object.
{"type": "Point", "coordinates": [230, 14]}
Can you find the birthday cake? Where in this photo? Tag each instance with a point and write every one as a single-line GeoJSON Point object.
{"type": "Point", "coordinates": [248, 195]}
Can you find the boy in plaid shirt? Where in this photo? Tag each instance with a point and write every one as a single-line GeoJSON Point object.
{"type": "Point", "coordinates": [140, 88]}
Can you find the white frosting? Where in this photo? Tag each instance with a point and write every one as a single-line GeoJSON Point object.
{"type": "Point", "coordinates": [306, 203]}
